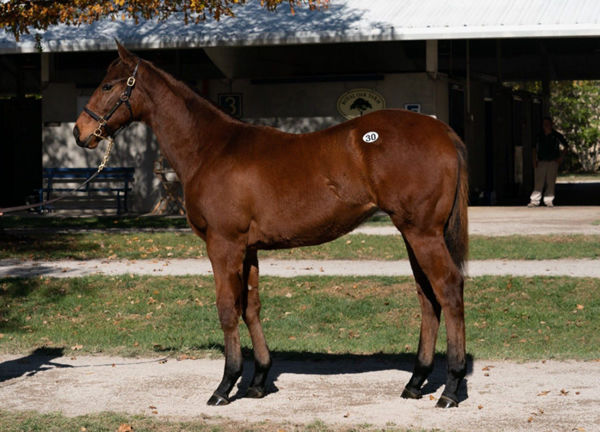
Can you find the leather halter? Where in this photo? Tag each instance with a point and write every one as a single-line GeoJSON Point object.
{"type": "Point", "coordinates": [123, 99]}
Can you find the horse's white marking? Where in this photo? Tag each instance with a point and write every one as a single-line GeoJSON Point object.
{"type": "Point", "coordinates": [249, 287]}
{"type": "Point", "coordinates": [370, 137]}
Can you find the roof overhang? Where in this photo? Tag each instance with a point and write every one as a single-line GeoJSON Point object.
{"type": "Point", "coordinates": [343, 21]}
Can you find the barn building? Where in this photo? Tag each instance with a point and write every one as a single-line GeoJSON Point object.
{"type": "Point", "coordinates": [308, 71]}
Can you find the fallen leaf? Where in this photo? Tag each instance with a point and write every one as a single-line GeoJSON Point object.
{"type": "Point", "coordinates": [125, 428]}
{"type": "Point", "coordinates": [580, 307]}
{"type": "Point", "coordinates": [152, 407]}
{"type": "Point", "coordinates": [431, 397]}
{"type": "Point", "coordinates": [76, 347]}
{"type": "Point", "coordinates": [543, 393]}
{"type": "Point", "coordinates": [563, 392]}
{"type": "Point", "coordinates": [530, 419]}
{"type": "Point", "coordinates": [347, 415]}
{"type": "Point", "coordinates": [480, 406]}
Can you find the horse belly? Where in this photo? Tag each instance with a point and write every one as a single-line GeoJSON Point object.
{"type": "Point", "coordinates": [310, 217]}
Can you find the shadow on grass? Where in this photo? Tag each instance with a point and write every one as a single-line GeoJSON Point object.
{"type": "Point", "coordinates": [38, 361]}
{"type": "Point", "coordinates": [15, 290]}
{"type": "Point", "coordinates": [45, 245]}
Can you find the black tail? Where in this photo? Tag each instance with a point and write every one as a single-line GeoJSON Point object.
{"type": "Point", "coordinates": [456, 233]}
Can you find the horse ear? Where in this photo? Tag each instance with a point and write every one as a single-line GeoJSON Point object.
{"type": "Point", "coordinates": [126, 56]}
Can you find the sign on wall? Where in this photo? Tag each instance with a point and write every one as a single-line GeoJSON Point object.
{"type": "Point", "coordinates": [231, 103]}
{"type": "Point", "coordinates": [414, 107]}
{"type": "Point", "coordinates": [357, 102]}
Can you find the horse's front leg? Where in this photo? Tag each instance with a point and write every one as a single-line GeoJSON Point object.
{"type": "Point", "coordinates": [251, 315]}
{"type": "Point", "coordinates": [227, 262]}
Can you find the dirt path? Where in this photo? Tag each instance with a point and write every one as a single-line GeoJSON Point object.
{"type": "Point", "coordinates": [502, 396]}
{"type": "Point", "coordinates": [504, 221]}
{"type": "Point", "coordinates": [292, 268]}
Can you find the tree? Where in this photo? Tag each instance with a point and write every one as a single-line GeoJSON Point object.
{"type": "Point", "coordinates": [575, 106]}
{"type": "Point", "coordinates": [18, 16]}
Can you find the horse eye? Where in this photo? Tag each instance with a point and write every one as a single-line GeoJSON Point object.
{"type": "Point", "coordinates": [106, 87]}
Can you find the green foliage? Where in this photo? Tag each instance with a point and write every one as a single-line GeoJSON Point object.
{"type": "Point", "coordinates": [575, 106]}
{"type": "Point", "coordinates": [19, 16]}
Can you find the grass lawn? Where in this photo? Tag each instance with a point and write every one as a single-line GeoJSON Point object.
{"type": "Point", "coordinates": [150, 245]}
{"type": "Point", "coordinates": [111, 422]}
{"type": "Point", "coordinates": [515, 318]}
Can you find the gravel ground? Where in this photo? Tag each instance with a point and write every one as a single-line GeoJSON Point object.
{"type": "Point", "coordinates": [498, 395]}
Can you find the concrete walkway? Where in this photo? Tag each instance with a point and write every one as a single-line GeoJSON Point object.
{"type": "Point", "coordinates": [292, 268]}
{"type": "Point", "coordinates": [504, 221]}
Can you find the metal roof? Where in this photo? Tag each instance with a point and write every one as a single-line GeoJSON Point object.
{"type": "Point", "coordinates": [342, 21]}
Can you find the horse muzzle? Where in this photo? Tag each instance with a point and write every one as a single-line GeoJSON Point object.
{"type": "Point", "coordinates": [90, 142]}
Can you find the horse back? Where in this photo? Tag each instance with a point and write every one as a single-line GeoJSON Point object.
{"type": "Point", "coordinates": [286, 190]}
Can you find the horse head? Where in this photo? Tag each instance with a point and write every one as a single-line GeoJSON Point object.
{"type": "Point", "coordinates": [113, 105]}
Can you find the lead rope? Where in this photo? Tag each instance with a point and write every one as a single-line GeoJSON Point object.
{"type": "Point", "coordinates": [43, 203]}
{"type": "Point", "coordinates": [111, 142]}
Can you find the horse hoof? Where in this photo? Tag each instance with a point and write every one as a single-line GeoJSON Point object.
{"type": "Point", "coordinates": [411, 393]}
{"type": "Point", "coordinates": [446, 402]}
{"type": "Point", "coordinates": [216, 400]}
{"type": "Point", "coordinates": [255, 393]}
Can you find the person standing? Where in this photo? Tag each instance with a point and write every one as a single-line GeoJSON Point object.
{"type": "Point", "coordinates": [547, 156]}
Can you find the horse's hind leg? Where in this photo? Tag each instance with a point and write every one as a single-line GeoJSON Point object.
{"type": "Point", "coordinates": [430, 322]}
{"type": "Point", "coordinates": [227, 262]}
{"type": "Point", "coordinates": [446, 282]}
{"type": "Point", "coordinates": [251, 315]}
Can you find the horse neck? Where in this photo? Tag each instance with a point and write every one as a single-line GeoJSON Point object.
{"type": "Point", "coordinates": [181, 121]}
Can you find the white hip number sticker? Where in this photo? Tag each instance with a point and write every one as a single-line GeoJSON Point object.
{"type": "Point", "coordinates": [370, 137]}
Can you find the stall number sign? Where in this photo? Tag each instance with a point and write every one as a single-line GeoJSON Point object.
{"type": "Point", "coordinates": [231, 103]}
{"type": "Point", "coordinates": [414, 107]}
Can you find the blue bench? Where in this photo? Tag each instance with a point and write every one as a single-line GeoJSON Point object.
{"type": "Point", "coordinates": [112, 181]}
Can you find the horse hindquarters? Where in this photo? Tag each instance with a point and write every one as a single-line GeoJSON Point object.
{"type": "Point", "coordinates": [437, 241]}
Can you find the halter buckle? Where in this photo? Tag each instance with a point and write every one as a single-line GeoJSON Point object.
{"type": "Point", "coordinates": [130, 81]}
{"type": "Point", "coordinates": [98, 132]}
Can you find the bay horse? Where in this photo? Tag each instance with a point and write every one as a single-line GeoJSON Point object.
{"type": "Point", "coordinates": [251, 187]}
